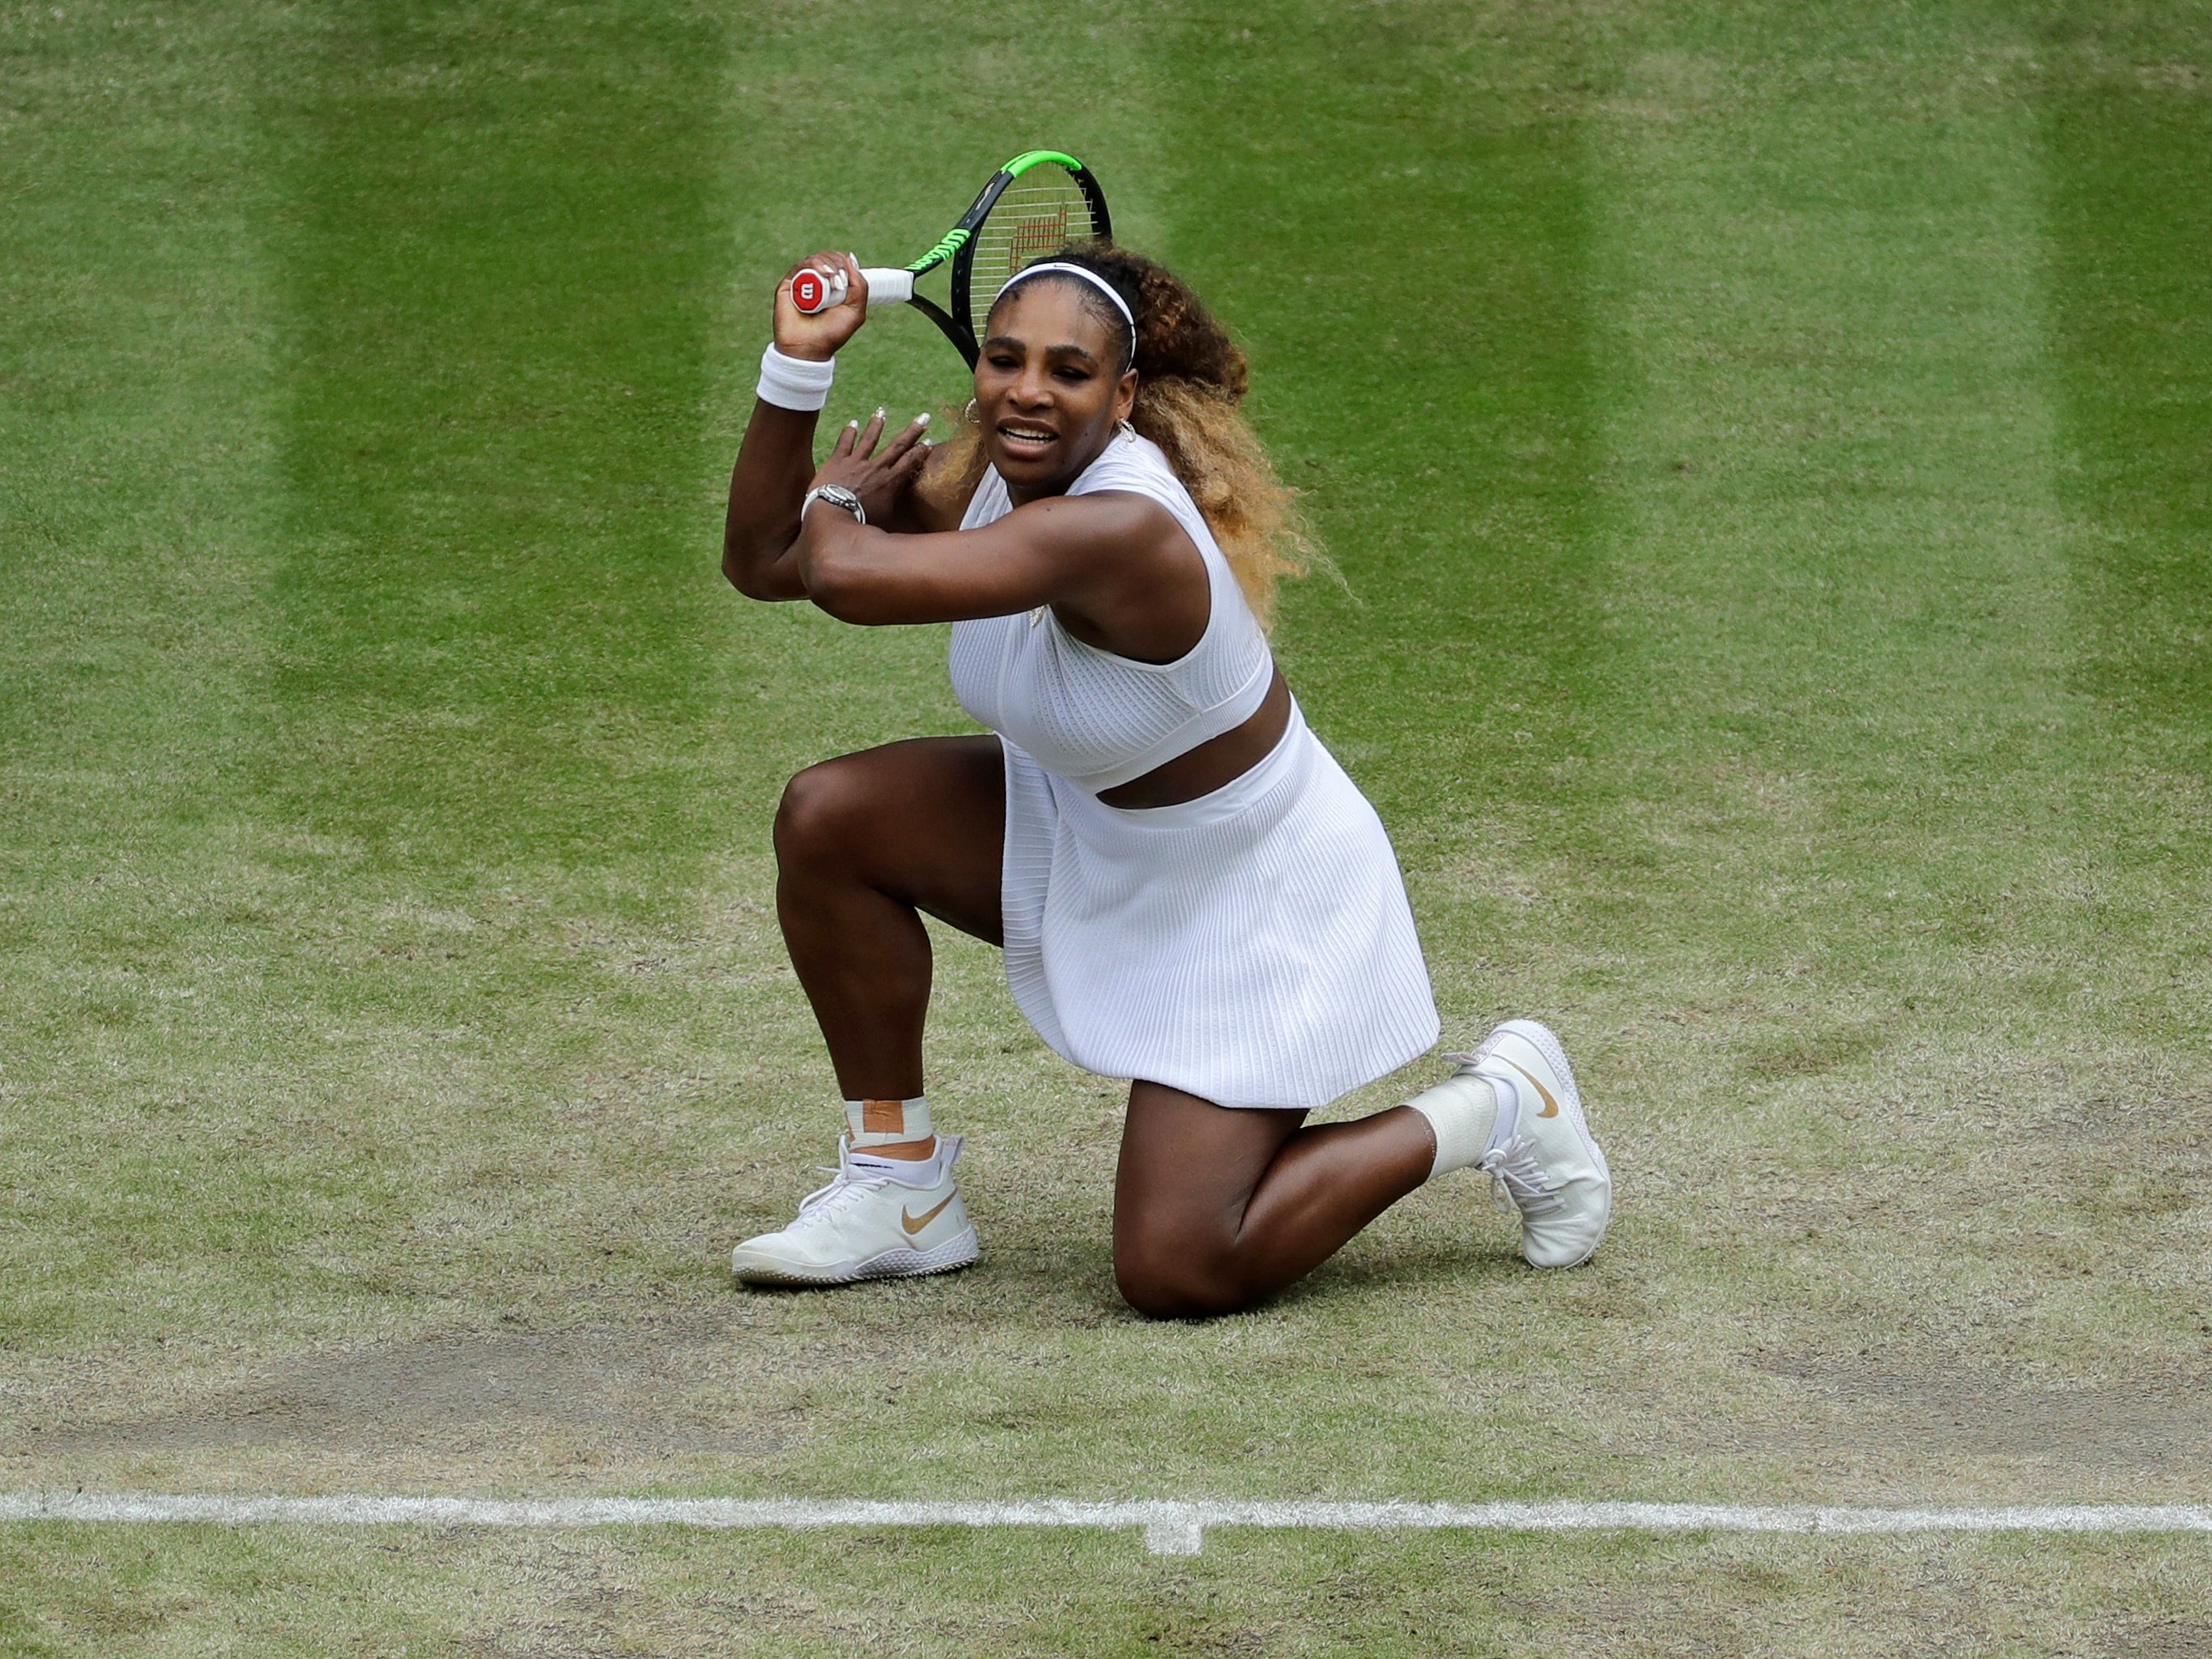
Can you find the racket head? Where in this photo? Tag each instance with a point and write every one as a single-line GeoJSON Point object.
{"type": "Point", "coordinates": [1039, 203]}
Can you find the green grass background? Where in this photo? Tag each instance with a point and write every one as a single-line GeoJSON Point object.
{"type": "Point", "coordinates": [1774, 499]}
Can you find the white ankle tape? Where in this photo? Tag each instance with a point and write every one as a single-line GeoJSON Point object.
{"type": "Point", "coordinates": [887, 1123]}
{"type": "Point", "coordinates": [1462, 1111]}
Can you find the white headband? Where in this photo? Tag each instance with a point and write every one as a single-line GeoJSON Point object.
{"type": "Point", "coordinates": [1054, 267]}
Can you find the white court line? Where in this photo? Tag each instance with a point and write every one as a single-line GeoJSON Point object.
{"type": "Point", "coordinates": [1171, 1527]}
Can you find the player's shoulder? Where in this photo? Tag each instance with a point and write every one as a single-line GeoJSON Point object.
{"type": "Point", "coordinates": [1128, 457]}
{"type": "Point", "coordinates": [1135, 465]}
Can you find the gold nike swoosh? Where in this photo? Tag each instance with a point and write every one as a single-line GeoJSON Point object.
{"type": "Point", "coordinates": [1550, 1106]}
{"type": "Point", "coordinates": [915, 1224]}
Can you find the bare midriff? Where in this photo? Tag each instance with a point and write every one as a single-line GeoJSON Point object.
{"type": "Point", "coordinates": [1202, 770]}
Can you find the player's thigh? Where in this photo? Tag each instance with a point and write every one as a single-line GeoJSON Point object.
{"type": "Point", "coordinates": [924, 820]}
{"type": "Point", "coordinates": [1189, 1168]}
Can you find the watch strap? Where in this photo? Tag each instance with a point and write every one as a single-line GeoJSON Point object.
{"type": "Point", "coordinates": [838, 497]}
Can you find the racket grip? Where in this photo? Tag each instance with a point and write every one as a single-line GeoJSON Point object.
{"type": "Point", "coordinates": [814, 290]}
{"type": "Point", "coordinates": [887, 287]}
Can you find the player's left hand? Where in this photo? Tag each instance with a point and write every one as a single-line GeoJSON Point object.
{"type": "Point", "coordinates": [878, 479]}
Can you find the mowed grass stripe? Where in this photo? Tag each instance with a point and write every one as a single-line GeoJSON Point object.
{"type": "Point", "coordinates": [2127, 111]}
{"type": "Point", "coordinates": [494, 752]}
{"type": "Point", "coordinates": [500, 257]}
{"type": "Point", "coordinates": [1842, 621]}
{"type": "Point", "coordinates": [1406, 264]}
{"type": "Point", "coordinates": [140, 510]}
{"type": "Point", "coordinates": [2127, 118]}
{"type": "Point", "coordinates": [1848, 950]}
{"type": "Point", "coordinates": [2127, 124]}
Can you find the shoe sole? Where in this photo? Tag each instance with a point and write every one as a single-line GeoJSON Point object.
{"type": "Point", "coordinates": [1546, 1041]}
{"type": "Point", "coordinates": [954, 1253]}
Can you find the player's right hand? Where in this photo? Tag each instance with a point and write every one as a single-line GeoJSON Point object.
{"type": "Point", "coordinates": [818, 337]}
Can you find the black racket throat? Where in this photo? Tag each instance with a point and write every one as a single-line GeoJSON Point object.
{"type": "Point", "coordinates": [956, 331]}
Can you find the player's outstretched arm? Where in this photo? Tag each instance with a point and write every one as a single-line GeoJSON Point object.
{"type": "Point", "coordinates": [776, 459]}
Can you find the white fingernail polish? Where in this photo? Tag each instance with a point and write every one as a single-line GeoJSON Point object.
{"type": "Point", "coordinates": [852, 426]}
{"type": "Point", "coordinates": [879, 411]}
{"type": "Point", "coordinates": [921, 420]}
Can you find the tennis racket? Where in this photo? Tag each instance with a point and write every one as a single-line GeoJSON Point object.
{"type": "Point", "coordinates": [1035, 204]}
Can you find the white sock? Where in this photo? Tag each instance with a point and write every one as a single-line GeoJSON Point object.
{"type": "Point", "coordinates": [1470, 1115]}
{"type": "Point", "coordinates": [907, 1171]}
{"type": "Point", "coordinates": [911, 1171]}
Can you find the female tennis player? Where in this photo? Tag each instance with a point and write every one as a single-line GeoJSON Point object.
{"type": "Point", "coordinates": [1190, 891]}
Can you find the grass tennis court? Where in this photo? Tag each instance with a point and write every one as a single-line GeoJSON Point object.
{"type": "Point", "coordinates": [1776, 628]}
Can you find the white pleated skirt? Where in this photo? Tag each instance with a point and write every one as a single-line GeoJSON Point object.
{"type": "Point", "coordinates": [1253, 947]}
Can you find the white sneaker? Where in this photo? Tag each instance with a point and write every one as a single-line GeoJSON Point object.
{"type": "Point", "coordinates": [872, 1222]}
{"type": "Point", "coordinates": [1544, 1164]}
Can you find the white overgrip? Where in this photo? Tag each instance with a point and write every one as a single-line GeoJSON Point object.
{"type": "Point", "coordinates": [888, 286]}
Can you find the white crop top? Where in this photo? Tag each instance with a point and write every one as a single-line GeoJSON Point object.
{"type": "Point", "coordinates": [1092, 718]}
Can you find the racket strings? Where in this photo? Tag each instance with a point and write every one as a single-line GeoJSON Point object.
{"type": "Point", "coordinates": [1038, 213]}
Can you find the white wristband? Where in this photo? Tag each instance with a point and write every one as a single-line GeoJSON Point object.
{"type": "Point", "coordinates": [798, 383]}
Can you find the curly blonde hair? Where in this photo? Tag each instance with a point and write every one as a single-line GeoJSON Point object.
{"type": "Point", "coordinates": [1191, 379]}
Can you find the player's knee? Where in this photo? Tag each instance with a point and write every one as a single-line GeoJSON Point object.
{"type": "Point", "coordinates": [1166, 1276]}
{"type": "Point", "coordinates": [817, 805]}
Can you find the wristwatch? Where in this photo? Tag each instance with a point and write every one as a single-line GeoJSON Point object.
{"type": "Point", "coordinates": [837, 495]}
